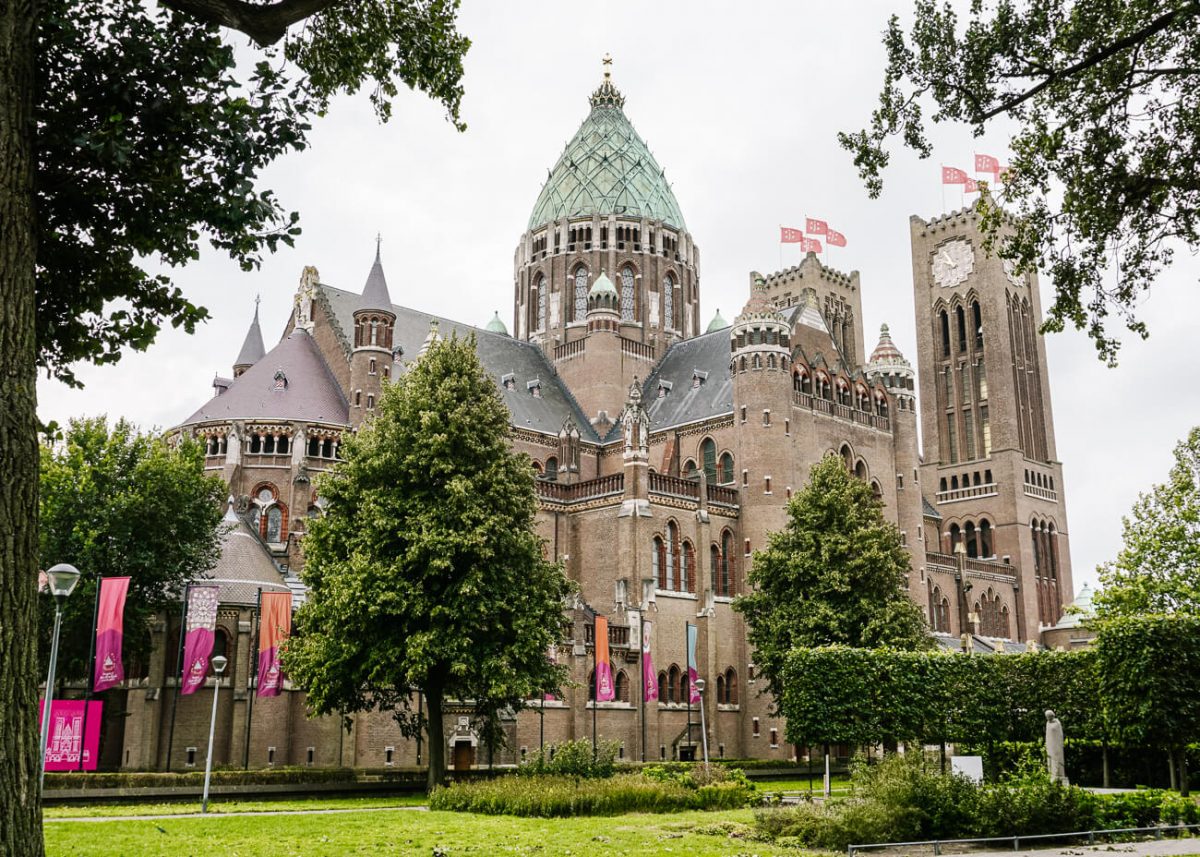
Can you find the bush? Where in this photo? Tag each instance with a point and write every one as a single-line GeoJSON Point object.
{"type": "Point", "coordinates": [905, 798]}
{"type": "Point", "coordinates": [549, 796]}
{"type": "Point", "coordinates": [573, 759]}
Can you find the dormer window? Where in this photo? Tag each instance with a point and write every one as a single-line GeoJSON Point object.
{"type": "Point", "coordinates": [664, 387]}
{"type": "Point", "coordinates": [280, 382]}
{"type": "Point", "coordinates": [535, 388]}
{"type": "Point", "coordinates": [698, 378]}
{"type": "Point", "coordinates": [508, 382]}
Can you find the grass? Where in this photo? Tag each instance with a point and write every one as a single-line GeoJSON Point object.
{"type": "Point", "coordinates": [841, 784]}
{"type": "Point", "coordinates": [404, 833]}
{"type": "Point", "coordinates": [224, 806]}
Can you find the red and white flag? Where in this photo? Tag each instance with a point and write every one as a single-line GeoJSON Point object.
{"type": "Point", "coordinates": [970, 186]}
{"type": "Point", "coordinates": [987, 164]}
{"type": "Point", "coordinates": [787, 235]}
{"type": "Point", "coordinates": [953, 175]}
{"type": "Point", "coordinates": [814, 226]}
{"type": "Point", "coordinates": [834, 238]}
{"type": "Point", "coordinates": [810, 245]}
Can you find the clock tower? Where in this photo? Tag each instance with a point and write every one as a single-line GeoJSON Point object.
{"type": "Point", "coordinates": [990, 461]}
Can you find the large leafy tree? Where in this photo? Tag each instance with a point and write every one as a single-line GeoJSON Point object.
{"type": "Point", "coordinates": [129, 133]}
{"type": "Point", "coordinates": [1103, 98]}
{"type": "Point", "coordinates": [1158, 568]}
{"type": "Point", "coordinates": [115, 502]}
{"type": "Point", "coordinates": [834, 575]}
{"type": "Point", "coordinates": [425, 574]}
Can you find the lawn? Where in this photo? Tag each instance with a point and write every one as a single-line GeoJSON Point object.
{"type": "Point", "coordinates": [229, 805]}
{"type": "Point", "coordinates": [403, 833]}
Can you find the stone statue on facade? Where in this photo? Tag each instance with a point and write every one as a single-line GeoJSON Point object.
{"type": "Point", "coordinates": [1055, 759]}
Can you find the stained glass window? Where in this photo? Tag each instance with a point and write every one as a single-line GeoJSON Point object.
{"type": "Point", "coordinates": [581, 293]}
{"type": "Point", "coordinates": [669, 302]}
{"type": "Point", "coordinates": [628, 295]}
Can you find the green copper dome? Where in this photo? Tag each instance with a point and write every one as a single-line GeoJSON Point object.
{"type": "Point", "coordinates": [606, 169]}
{"type": "Point", "coordinates": [496, 325]}
{"type": "Point", "coordinates": [717, 323]}
{"type": "Point", "coordinates": [602, 286]}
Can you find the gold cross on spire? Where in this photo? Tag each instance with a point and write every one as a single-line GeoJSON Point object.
{"type": "Point", "coordinates": [607, 63]}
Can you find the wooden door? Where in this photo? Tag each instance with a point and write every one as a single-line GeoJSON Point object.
{"type": "Point", "coordinates": [464, 756]}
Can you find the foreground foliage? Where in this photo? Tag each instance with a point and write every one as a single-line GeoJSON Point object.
{"type": "Point", "coordinates": [906, 798]}
{"type": "Point", "coordinates": [573, 759]}
{"type": "Point", "coordinates": [116, 502]}
{"type": "Point", "coordinates": [834, 575]}
{"type": "Point", "coordinates": [1102, 95]}
{"type": "Point", "coordinates": [558, 796]}
{"type": "Point", "coordinates": [425, 574]}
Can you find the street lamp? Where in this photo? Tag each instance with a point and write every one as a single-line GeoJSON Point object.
{"type": "Point", "coordinates": [62, 579]}
{"type": "Point", "coordinates": [218, 664]}
{"type": "Point", "coordinates": [703, 731]}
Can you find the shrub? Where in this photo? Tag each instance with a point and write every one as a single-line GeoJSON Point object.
{"type": "Point", "coordinates": [550, 796]}
{"type": "Point", "coordinates": [573, 759]}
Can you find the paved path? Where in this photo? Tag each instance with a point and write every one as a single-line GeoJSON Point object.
{"type": "Point", "coordinates": [235, 814]}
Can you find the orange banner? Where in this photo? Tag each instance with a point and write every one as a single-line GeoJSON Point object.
{"type": "Point", "coordinates": [274, 627]}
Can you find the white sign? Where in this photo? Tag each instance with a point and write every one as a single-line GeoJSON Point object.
{"type": "Point", "coordinates": [970, 767]}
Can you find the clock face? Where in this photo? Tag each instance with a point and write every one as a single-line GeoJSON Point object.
{"type": "Point", "coordinates": [952, 263]}
{"type": "Point", "coordinates": [1010, 271]}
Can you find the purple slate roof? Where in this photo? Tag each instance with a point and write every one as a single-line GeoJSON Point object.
{"type": "Point", "coordinates": [309, 391]}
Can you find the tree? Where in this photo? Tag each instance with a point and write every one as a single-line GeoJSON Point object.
{"type": "Point", "coordinates": [425, 574]}
{"type": "Point", "coordinates": [1107, 136]}
{"type": "Point", "coordinates": [121, 503]}
{"type": "Point", "coordinates": [835, 575]}
{"type": "Point", "coordinates": [127, 132]}
{"type": "Point", "coordinates": [1158, 569]}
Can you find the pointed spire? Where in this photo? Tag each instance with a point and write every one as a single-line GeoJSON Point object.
{"type": "Point", "coordinates": [886, 352]}
{"type": "Point", "coordinates": [375, 293]}
{"type": "Point", "coordinates": [607, 95]}
{"type": "Point", "coordinates": [252, 347]}
{"type": "Point", "coordinates": [430, 338]}
{"type": "Point", "coordinates": [230, 516]}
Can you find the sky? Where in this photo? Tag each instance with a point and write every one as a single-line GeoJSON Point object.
{"type": "Point", "coordinates": [740, 103]}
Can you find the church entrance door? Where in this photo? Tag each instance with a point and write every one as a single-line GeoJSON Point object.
{"type": "Point", "coordinates": [464, 756]}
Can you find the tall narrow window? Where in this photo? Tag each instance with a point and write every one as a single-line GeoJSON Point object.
{"type": "Point", "coordinates": [945, 334]}
{"type": "Point", "coordinates": [725, 469]}
{"type": "Point", "coordinates": [986, 430]}
{"type": "Point", "coordinates": [960, 319]}
{"type": "Point", "coordinates": [628, 294]}
{"type": "Point", "coordinates": [951, 439]}
{"type": "Point", "coordinates": [708, 451]}
{"type": "Point", "coordinates": [581, 293]}
{"type": "Point", "coordinates": [725, 578]}
{"type": "Point", "coordinates": [542, 287]}
{"type": "Point", "coordinates": [274, 524]}
{"type": "Point", "coordinates": [672, 556]}
{"type": "Point", "coordinates": [669, 302]}
{"type": "Point", "coordinates": [658, 562]}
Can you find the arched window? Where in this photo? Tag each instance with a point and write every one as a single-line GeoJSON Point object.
{"type": "Point", "coordinates": [847, 457]}
{"type": "Point", "coordinates": [662, 687]}
{"type": "Point", "coordinates": [673, 676]}
{"type": "Point", "coordinates": [955, 536]}
{"type": "Point", "coordinates": [628, 295]}
{"type": "Point", "coordinates": [720, 690]}
{"type": "Point", "coordinates": [961, 323]}
{"type": "Point", "coordinates": [940, 611]}
{"type": "Point", "coordinates": [220, 644]}
{"type": "Point", "coordinates": [274, 528]}
{"type": "Point", "coordinates": [977, 324]}
{"type": "Point", "coordinates": [725, 583]}
{"type": "Point", "coordinates": [945, 334]}
{"type": "Point", "coordinates": [985, 539]}
{"type": "Point", "coordinates": [669, 302]}
{"type": "Point", "coordinates": [254, 518]}
{"type": "Point", "coordinates": [658, 562]}
{"type": "Point", "coordinates": [972, 542]}
{"type": "Point", "coordinates": [725, 469]}
{"type": "Point", "coordinates": [621, 686]}
{"type": "Point", "coordinates": [689, 470]}
{"type": "Point", "coordinates": [731, 687]}
{"type": "Point", "coordinates": [708, 454]}
{"type": "Point", "coordinates": [687, 573]}
{"type": "Point", "coordinates": [581, 293]}
{"type": "Point", "coordinates": [672, 557]}
{"type": "Point", "coordinates": [541, 303]}
{"type": "Point", "coordinates": [860, 470]}
{"type": "Point", "coordinates": [551, 468]}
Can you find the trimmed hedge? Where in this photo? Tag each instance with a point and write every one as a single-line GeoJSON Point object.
{"type": "Point", "coordinates": [558, 796]}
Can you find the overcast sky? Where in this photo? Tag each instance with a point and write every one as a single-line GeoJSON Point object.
{"type": "Point", "coordinates": [740, 104]}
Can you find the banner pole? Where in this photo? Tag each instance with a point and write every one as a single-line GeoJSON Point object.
{"type": "Point", "coordinates": [642, 669]}
{"type": "Point", "coordinates": [91, 673]}
{"type": "Point", "coordinates": [595, 684]}
{"type": "Point", "coordinates": [178, 674]}
{"type": "Point", "coordinates": [250, 685]}
{"type": "Point", "coordinates": [687, 671]}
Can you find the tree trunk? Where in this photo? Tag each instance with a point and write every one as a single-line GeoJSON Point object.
{"type": "Point", "coordinates": [20, 803]}
{"type": "Point", "coordinates": [1171, 767]}
{"type": "Point", "coordinates": [1184, 788]}
{"type": "Point", "coordinates": [435, 729]}
{"type": "Point", "coordinates": [1107, 777]}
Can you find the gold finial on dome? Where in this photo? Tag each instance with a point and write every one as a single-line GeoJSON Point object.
{"type": "Point", "coordinates": [607, 95]}
{"type": "Point", "coordinates": [607, 63]}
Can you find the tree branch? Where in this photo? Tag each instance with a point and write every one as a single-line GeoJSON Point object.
{"type": "Point", "coordinates": [1153, 28]}
{"type": "Point", "coordinates": [265, 24]}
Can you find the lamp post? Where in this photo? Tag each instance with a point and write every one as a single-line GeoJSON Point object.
{"type": "Point", "coordinates": [703, 730]}
{"type": "Point", "coordinates": [218, 665]}
{"type": "Point", "coordinates": [62, 579]}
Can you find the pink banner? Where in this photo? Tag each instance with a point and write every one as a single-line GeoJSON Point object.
{"type": "Point", "coordinates": [693, 693]}
{"type": "Point", "coordinates": [198, 645]}
{"type": "Point", "coordinates": [605, 692]}
{"type": "Point", "coordinates": [649, 679]}
{"type": "Point", "coordinates": [66, 726]}
{"type": "Point", "coordinates": [110, 628]}
{"type": "Point", "coordinates": [275, 626]}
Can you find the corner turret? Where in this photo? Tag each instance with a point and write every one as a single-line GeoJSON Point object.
{"type": "Point", "coordinates": [371, 359]}
{"type": "Point", "coordinates": [252, 347]}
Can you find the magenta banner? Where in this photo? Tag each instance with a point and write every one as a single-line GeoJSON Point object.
{"type": "Point", "coordinates": [275, 626]}
{"type": "Point", "coordinates": [693, 694]}
{"type": "Point", "coordinates": [198, 645]}
{"type": "Point", "coordinates": [649, 679]}
{"type": "Point", "coordinates": [110, 628]}
{"type": "Point", "coordinates": [66, 738]}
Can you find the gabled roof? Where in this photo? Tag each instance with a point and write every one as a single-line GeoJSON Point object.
{"type": "Point", "coordinates": [305, 391]}
{"type": "Point", "coordinates": [928, 510]}
{"type": "Point", "coordinates": [500, 354]}
{"type": "Point", "coordinates": [685, 402]}
{"type": "Point", "coordinates": [606, 169]}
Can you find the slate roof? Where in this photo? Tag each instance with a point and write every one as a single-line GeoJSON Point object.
{"type": "Point", "coordinates": [311, 393]}
{"type": "Point", "coordinates": [375, 293]}
{"type": "Point", "coordinates": [928, 510]}
{"type": "Point", "coordinates": [243, 566]}
{"type": "Point", "coordinates": [684, 403]}
{"type": "Point", "coordinates": [500, 354]}
{"type": "Point", "coordinates": [252, 346]}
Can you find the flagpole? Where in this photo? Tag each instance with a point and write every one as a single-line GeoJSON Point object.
{"type": "Point", "coordinates": [595, 684]}
{"type": "Point", "coordinates": [642, 668]}
{"type": "Point", "coordinates": [250, 685]}
{"type": "Point", "coordinates": [781, 246]}
{"type": "Point", "coordinates": [942, 178]}
{"type": "Point", "coordinates": [178, 675]}
{"type": "Point", "coordinates": [91, 672]}
{"type": "Point", "coordinates": [687, 671]}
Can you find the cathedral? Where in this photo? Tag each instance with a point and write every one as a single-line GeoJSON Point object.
{"type": "Point", "coordinates": [665, 450]}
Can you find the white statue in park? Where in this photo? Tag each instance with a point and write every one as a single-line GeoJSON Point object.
{"type": "Point", "coordinates": [1055, 759]}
